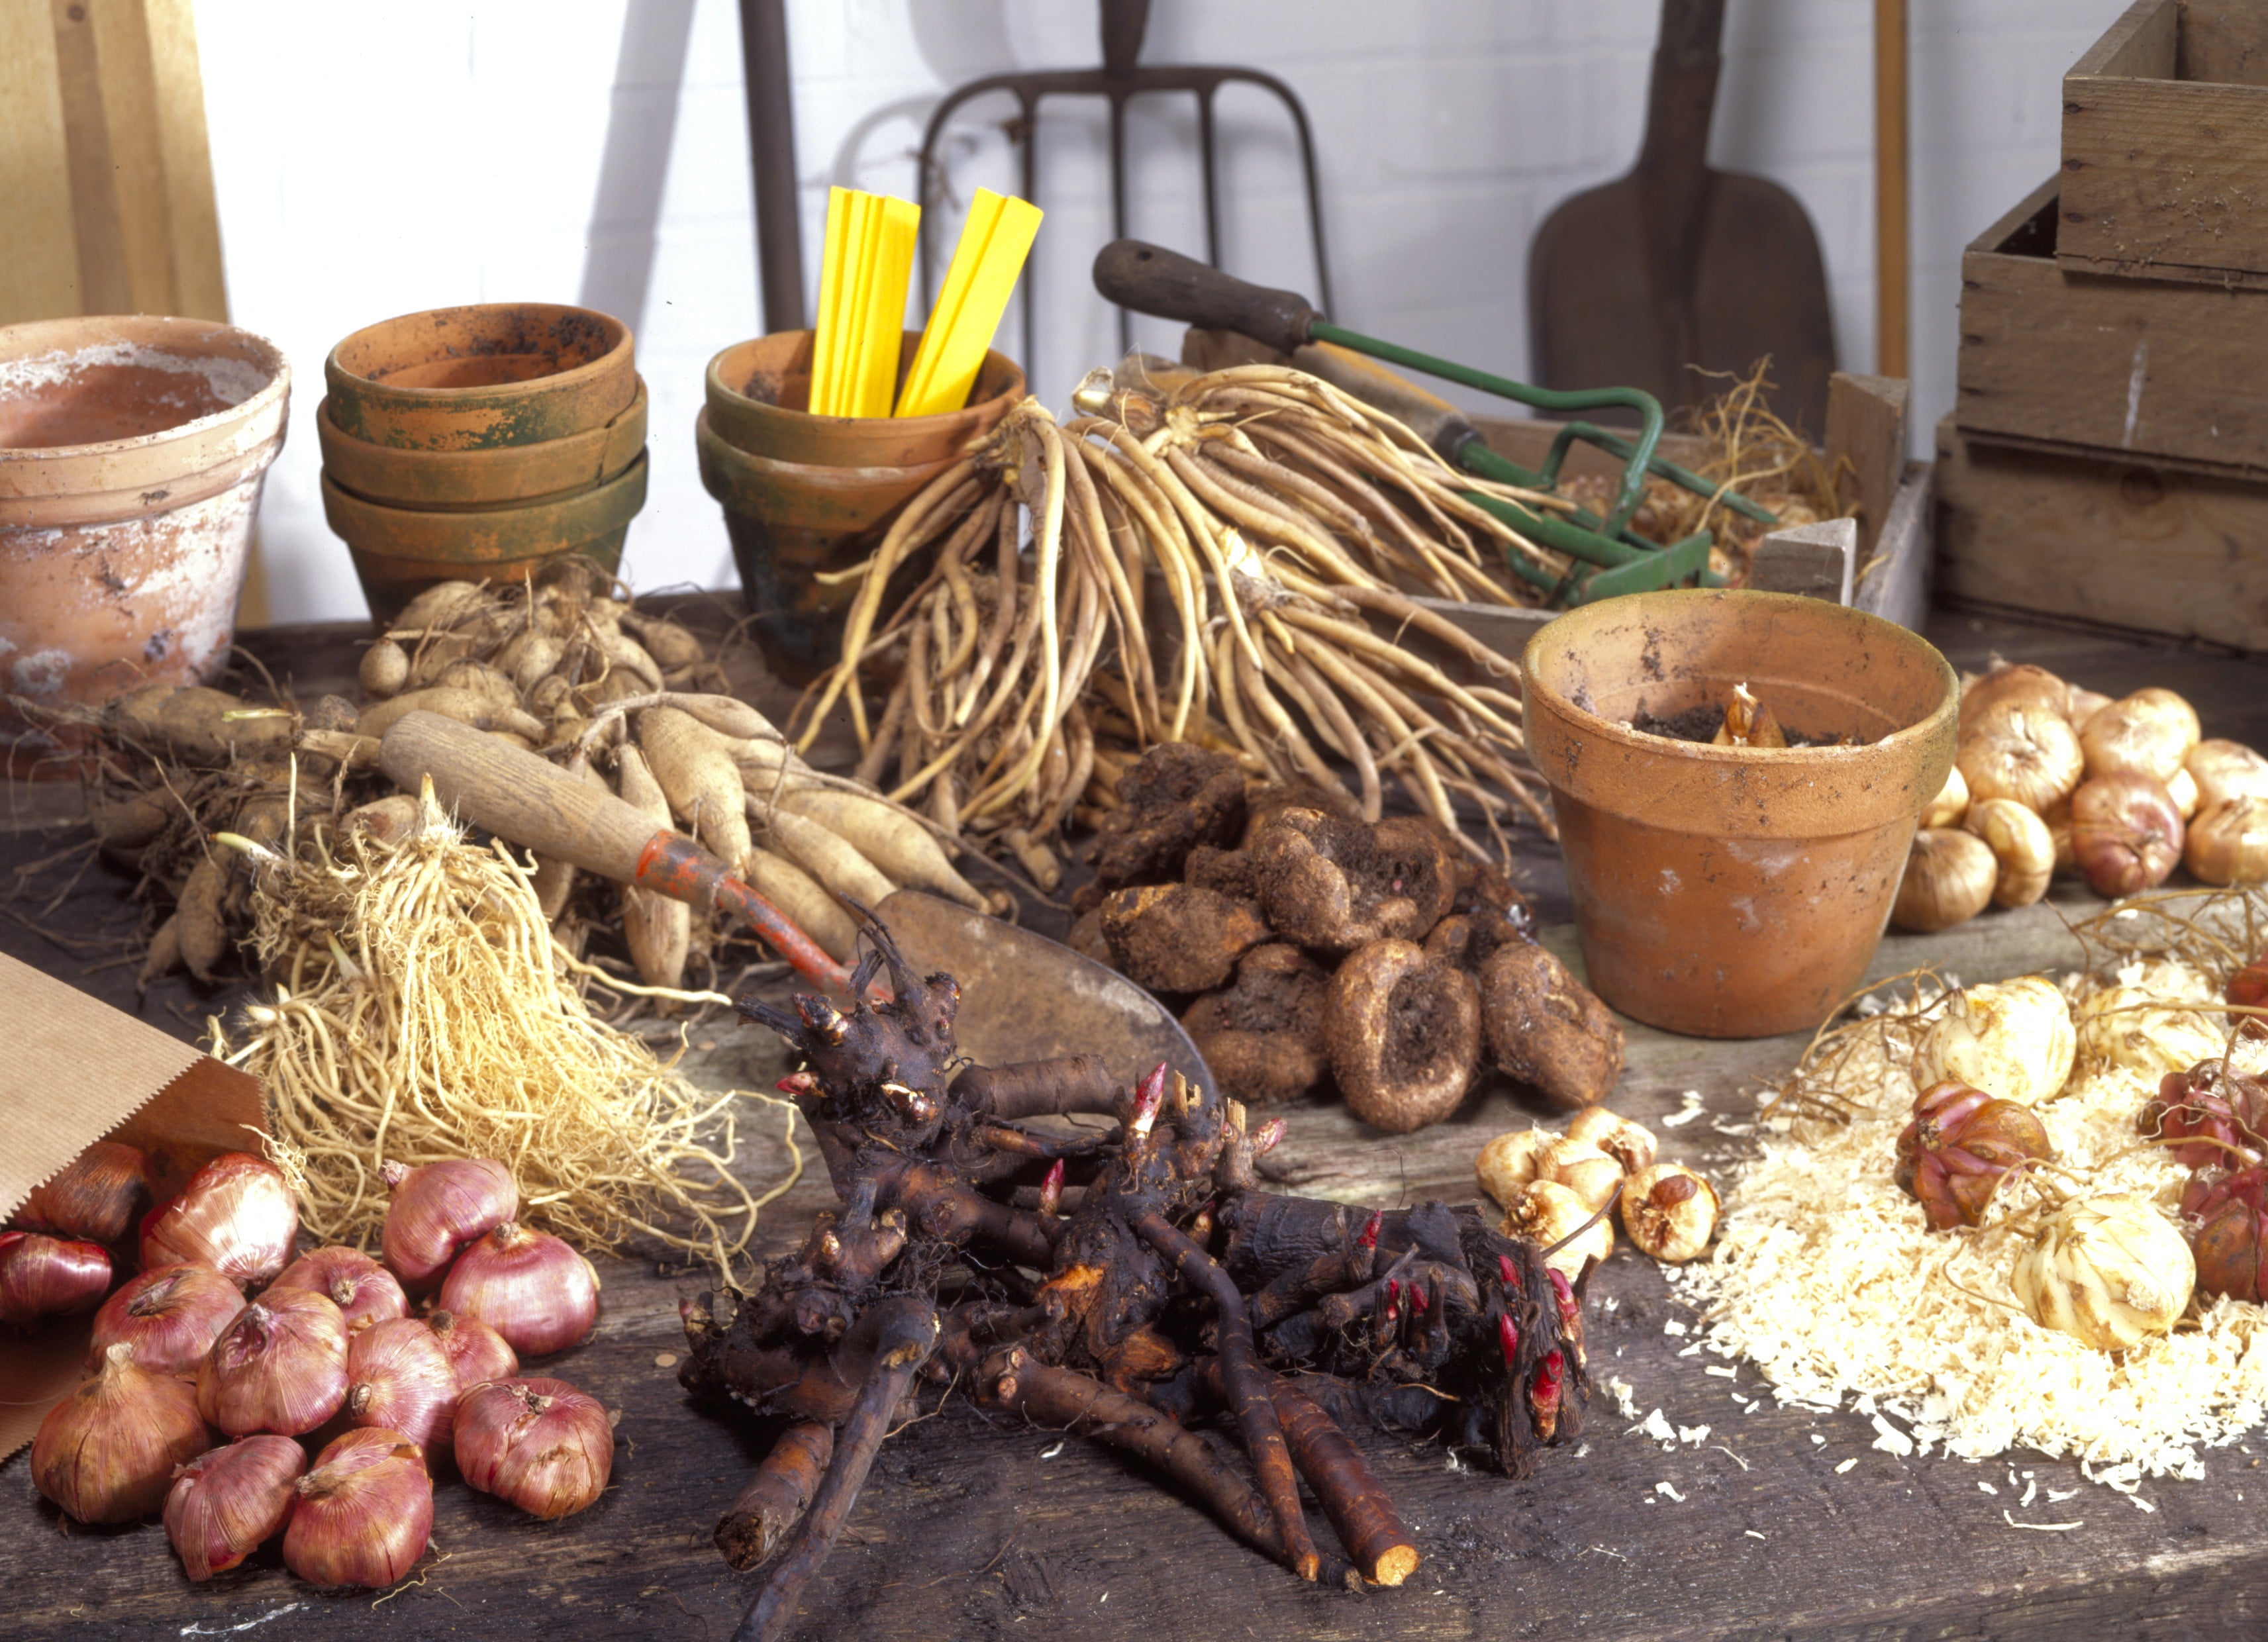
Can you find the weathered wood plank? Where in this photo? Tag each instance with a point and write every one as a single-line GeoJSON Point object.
{"type": "Point", "coordinates": [1866, 429]}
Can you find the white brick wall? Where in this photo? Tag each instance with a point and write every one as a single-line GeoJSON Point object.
{"type": "Point", "coordinates": [371, 162]}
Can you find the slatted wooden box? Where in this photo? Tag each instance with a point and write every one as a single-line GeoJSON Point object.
{"type": "Point", "coordinates": [2165, 145]}
{"type": "Point", "coordinates": [2052, 357]}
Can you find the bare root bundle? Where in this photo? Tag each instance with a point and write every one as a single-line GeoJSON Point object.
{"type": "Point", "coordinates": [1288, 529]}
{"type": "Point", "coordinates": [419, 1014]}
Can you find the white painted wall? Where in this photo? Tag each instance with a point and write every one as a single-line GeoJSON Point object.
{"type": "Point", "coordinates": [372, 161]}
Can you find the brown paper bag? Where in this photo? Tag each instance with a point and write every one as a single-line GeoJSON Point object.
{"type": "Point", "coordinates": [74, 1070]}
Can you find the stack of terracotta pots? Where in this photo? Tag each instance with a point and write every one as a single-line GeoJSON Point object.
{"type": "Point", "coordinates": [132, 450]}
{"type": "Point", "coordinates": [804, 493]}
{"type": "Point", "coordinates": [481, 443]}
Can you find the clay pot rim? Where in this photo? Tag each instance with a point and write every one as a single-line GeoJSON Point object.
{"type": "Point", "coordinates": [451, 481]}
{"type": "Point", "coordinates": [727, 455]}
{"type": "Point", "coordinates": [602, 499]}
{"type": "Point", "coordinates": [258, 352]}
{"type": "Point", "coordinates": [488, 456]}
{"type": "Point", "coordinates": [1533, 686]}
{"type": "Point", "coordinates": [912, 427]}
{"type": "Point", "coordinates": [472, 396]}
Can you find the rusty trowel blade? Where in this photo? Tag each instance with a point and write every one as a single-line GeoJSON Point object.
{"type": "Point", "coordinates": [1024, 997]}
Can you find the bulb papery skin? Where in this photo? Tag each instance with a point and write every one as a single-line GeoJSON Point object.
{"type": "Point", "coordinates": [1544, 1212]}
{"type": "Point", "coordinates": [530, 1287]}
{"type": "Point", "coordinates": [2029, 755]}
{"type": "Point", "coordinates": [2023, 846]}
{"type": "Point", "coordinates": [100, 1194]}
{"type": "Point", "coordinates": [1669, 1212]}
{"type": "Point", "coordinates": [2220, 1112]}
{"type": "Point", "coordinates": [2110, 1271]}
{"type": "Point", "coordinates": [400, 1379]}
{"type": "Point", "coordinates": [2012, 684]}
{"type": "Point", "coordinates": [364, 1515]}
{"type": "Point", "coordinates": [2229, 1210]}
{"type": "Point", "coordinates": [539, 1443]}
{"type": "Point", "coordinates": [364, 1291]}
{"type": "Point", "coordinates": [228, 1502]}
{"type": "Point", "coordinates": [170, 1316]}
{"type": "Point", "coordinates": [2228, 843]}
{"type": "Point", "coordinates": [2126, 834]}
{"type": "Point", "coordinates": [2225, 771]}
{"type": "Point", "coordinates": [280, 1366]}
{"type": "Point", "coordinates": [1583, 1169]}
{"type": "Point", "coordinates": [440, 1208]}
{"type": "Point", "coordinates": [2149, 733]}
{"type": "Point", "coordinates": [1630, 1144]}
{"type": "Point", "coordinates": [106, 1453]}
{"type": "Point", "coordinates": [49, 1276]}
{"type": "Point", "coordinates": [1955, 1154]}
{"type": "Point", "coordinates": [2012, 1039]}
{"type": "Point", "coordinates": [476, 1351]}
{"type": "Point", "coordinates": [236, 1215]}
{"type": "Point", "coordinates": [2128, 1026]}
{"type": "Point", "coordinates": [2248, 989]}
{"type": "Point", "coordinates": [1949, 880]}
{"type": "Point", "coordinates": [1508, 1162]}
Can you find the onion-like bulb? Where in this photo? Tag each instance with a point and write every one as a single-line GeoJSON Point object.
{"type": "Point", "coordinates": [236, 1215]}
{"type": "Point", "coordinates": [2022, 847]}
{"type": "Point", "coordinates": [226, 1503]}
{"type": "Point", "coordinates": [2228, 843]}
{"type": "Point", "coordinates": [47, 1277]}
{"type": "Point", "coordinates": [438, 1209]}
{"type": "Point", "coordinates": [364, 1515]}
{"type": "Point", "coordinates": [280, 1366]}
{"type": "Point", "coordinates": [2148, 734]}
{"type": "Point", "coordinates": [170, 1316]}
{"type": "Point", "coordinates": [399, 1378]}
{"type": "Point", "coordinates": [106, 1452]}
{"type": "Point", "coordinates": [1960, 1146]}
{"type": "Point", "coordinates": [475, 1350]}
{"type": "Point", "coordinates": [99, 1196]}
{"type": "Point", "coordinates": [2110, 1271]}
{"type": "Point", "coordinates": [2017, 684]}
{"type": "Point", "coordinates": [364, 1291]}
{"type": "Point", "coordinates": [1951, 802]}
{"type": "Point", "coordinates": [1545, 1212]}
{"type": "Point", "coordinates": [528, 1286]}
{"type": "Point", "coordinates": [2182, 789]}
{"type": "Point", "coordinates": [1949, 880]}
{"type": "Point", "coordinates": [2248, 989]}
{"type": "Point", "coordinates": [1669, 1212]}
{"type": "Point", "coordinates": [2227, 770]}
{"type": "Point", "coordinates": [2082, 704]}
{"type": "Point", "coordinates": [2126, 832]}
{"type": "Point", "coordinates": [539, 1443]}
{"type": "Point", "coordinates": [2026, 754]}
{"type": "Point", "coordinates": [1630, 1144]}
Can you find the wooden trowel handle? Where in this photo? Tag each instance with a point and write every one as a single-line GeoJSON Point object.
{"type": "Point", "coordinates": [1150, 279]}
{"type": "Point", "coordinates": [528, 801]}
{"type": "Point", "coordinates": [1431, 417]}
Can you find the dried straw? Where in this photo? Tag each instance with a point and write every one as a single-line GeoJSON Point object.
{"type": "Point", "coordinates": [421, 1012]}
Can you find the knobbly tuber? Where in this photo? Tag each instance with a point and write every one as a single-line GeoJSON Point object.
{"type": "Point", "coordinates": [1178, 937]}
{"type": "Point", "coordinates": [1178, 796]}
{"type": "Point", "coordinates": [1333, 885]}
{"type": "Point", "coordinates": [1263, 1035]}
{"type": "Point", "coordinates": [1547, 1029]}
{"type": "Point", "coordinates": [1403, 1033]}
{"type": "Point", "coordinates": [1174, 1292]}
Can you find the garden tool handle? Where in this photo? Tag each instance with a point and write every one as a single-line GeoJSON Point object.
{"type": "Point", "coordinates": [1431, 417]}
{"type": "Point", "coordinates": [531, 802]}
{"type": "Point", "coordinates": [1153, 280]}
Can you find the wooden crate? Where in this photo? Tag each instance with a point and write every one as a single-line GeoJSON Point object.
{"type": "Point", "coordinates": [2136, 546]}
{"type": "Point", "coordinates": [2165, 145]}
{"type": "Point", "coordinates": [2129, 367]}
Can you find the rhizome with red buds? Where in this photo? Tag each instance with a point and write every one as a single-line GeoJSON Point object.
{"type": "Point", "coordinates": [1124, 1281]}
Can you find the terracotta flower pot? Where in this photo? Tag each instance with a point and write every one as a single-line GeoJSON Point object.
{"type": "Point", "coordinates": [132, 450]}
{"type": "Point", "coordinates": [803, 493]}
{"type": "Point", "coordinates": [464, 481]}
{"type": "Point", "coordinates": [1734, 892]}
{"type": "Point", "coordinates": [472, 379]}
{"type": "Point", "coordinates": [399, 551]}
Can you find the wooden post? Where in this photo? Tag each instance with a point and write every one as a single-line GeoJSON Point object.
{"type": "Point", "coordinates": [1890, 252]}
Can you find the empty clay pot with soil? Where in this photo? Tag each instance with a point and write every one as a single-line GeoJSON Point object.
{"type": "Point", "coordinates": [132, 452]}
{"type": "Point", "coordinates": [1734, 891]}
{"type": "Point", "coordinates": [803, 493]}
{"type": "Point", "coordinates": [481, 377]}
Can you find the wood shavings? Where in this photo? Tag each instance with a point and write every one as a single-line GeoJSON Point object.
{"type": "Point", "coordinates": [1825, 1276]}
{"type": "Point", "coordinates": [1670, 1492]}
{"type": "Point", "coordinates": [2042, 1528]}
{"type": "Point", "coordinates": [1846, 1466]}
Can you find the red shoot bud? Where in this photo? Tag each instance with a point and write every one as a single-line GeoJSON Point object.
{"type": "Point", "coordinates": [1417, 1300]}
{"type": "Point", "coordinates": [1547, 1373]}
{"type": "Point", "coordinates": [1369, 1237]}
{"type": "Point", "coordinates": [1562, 1293]}
{"type": "Point", "coordinates": [1266, 1138]}
{"type": "Point", "coordinates": [1051, 1187]}
{"type": "Point", "coordinates": [1393, 1297]}
{"type": "Point", "coordinates": [1509, 1272]}
{"type": "Point", "coordinates": [1507, 1335]}
{"type": "Point", "coordinates": [1148, 1098]}
{"type": "Point", "coordinates": [797, 1083]}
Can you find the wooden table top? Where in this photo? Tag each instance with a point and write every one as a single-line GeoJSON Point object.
{"type": "Point", "coordinates": [971, 1527]}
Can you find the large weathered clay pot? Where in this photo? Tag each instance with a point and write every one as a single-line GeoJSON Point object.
{"type": "Point", "coordinates": [475, 378]}
{"type": "Point", "coordinates": [399, 552]}
{"type": "Point", "coordinates": [132, 450]}
{"type": "Point", "coordinates": [463, 480]}
{"type": "Point", "coordinates": [1734, 892]}
{"type": "Point", "coordinates": [804, 493]}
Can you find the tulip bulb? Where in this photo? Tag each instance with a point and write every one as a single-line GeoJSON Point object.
{"type": "Point", "coordinates": [2082, 705]}
{"type": "Point", "coordinates": [2125, 833]}
{"type": "Point", "coordinates": [475, 1352]}
{"type": "Point", "coordinates": [227, 1503]}
{"type": "Point", "coordinates": [364, 1515]}
{"type": "Point", "coordinates": [2029, 755]}
{"type": "Point", "coordinates": [1507, 1163]}
{"type": "Point", "coordinates": [541, 1444]}
{"type": "Point", "coordinates": [47, 1277]}
{"type": "Point", "coordinates": [2023, 849]}
{"type": "Point", "coordinates": [364, 1292]}
{"type": "Point", "coordinates": [1951, 802]}
{"type": "Point", "coordinates": [2110, 1271]}
{"type": "Point", "coordinates": [280, 1366]}
{"type": "Point", "coordinates": [1669, 1212]}
{"type": "Point", "coordinates": [2014, 1040]}
{"type": "Point", "coordinates": [2227, 770]}
{"type": "Point", "coordinates": [236, 1215]}
{"type": "Point", "coordinates": [1960, 1146]}
{"type": "Point", "coordinates": [2149, 733]}
{"type": "Point", "coordinates": [399, 1378]}
{"type": "Point", "coordinates": [1582, 1169]}
{"type": "Point", "coordinates": [99, 1196]}
{"type": "Point", "coordinates": [170, 1316]}
{"type": "Point", "coordinates": [106, 1453]}
{"type": "Point", "coordinates": [1545, 1212]}
{"type": "Point", "coordinates": [528, 1286]}
{"type": "Point", "coordinates": [440, 1208]}
{"type": "Point", "coordinates": [1628, 1144]}
{"type": "Point", "coordinates": [1949, 880]}
{"type": "Point", "coordinates": [2007, 685]}
{"type": "Point", "coordinates": [2228, 843]}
